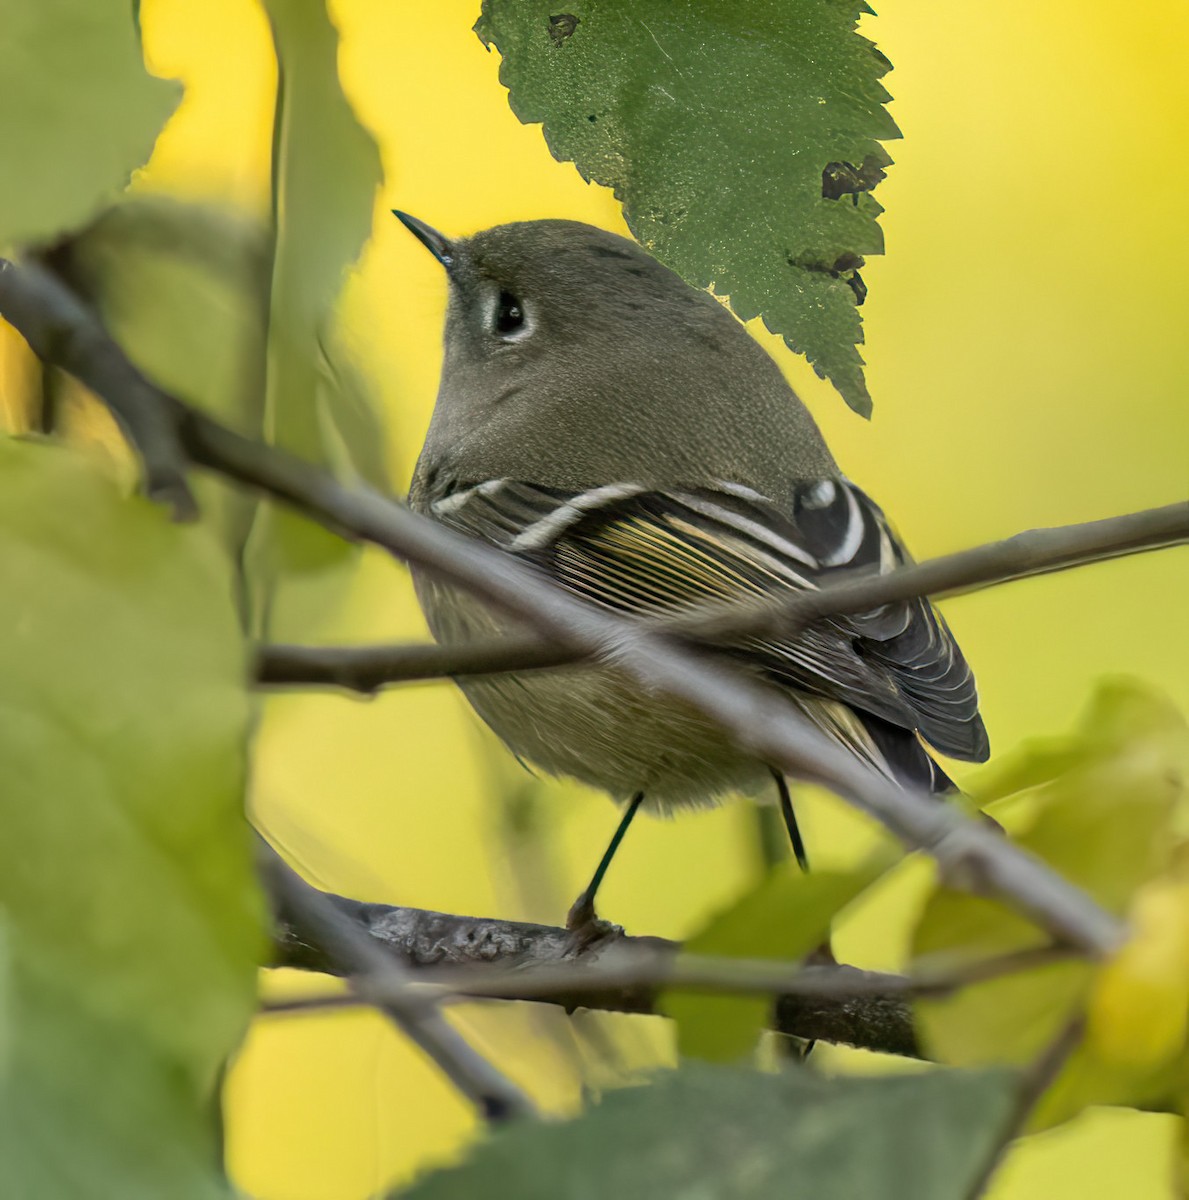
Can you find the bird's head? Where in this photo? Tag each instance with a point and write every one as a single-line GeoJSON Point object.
{"type": "Point", "coordinates": [571, 352]}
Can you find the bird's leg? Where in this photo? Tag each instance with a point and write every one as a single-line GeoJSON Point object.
{"type": "Point", "coordinates": [824, 954]}
{"type": "Point", "coordinates": [582, 919]}
{"type": "Point", "coordinates": [790, 819]}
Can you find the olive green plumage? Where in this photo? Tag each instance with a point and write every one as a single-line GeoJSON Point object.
{"type": "Point", "coordinates": [628, 374]}
{"type": "Point", "coordinates": [622, 431]}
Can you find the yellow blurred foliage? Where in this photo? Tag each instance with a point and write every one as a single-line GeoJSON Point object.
{"type": "Point", "coordinates": [1029, 365]}
{"type": "Point", "coordinates": [1104, 806]}
{"type": "Point", "coordinates": [1139, 1006]}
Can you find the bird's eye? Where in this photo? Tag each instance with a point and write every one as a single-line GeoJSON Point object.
{"type": "Point", "coordinates": [509, 315]}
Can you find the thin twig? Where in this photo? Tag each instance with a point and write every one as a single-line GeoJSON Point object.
{"type": "Point", "coordinates": [599, 986]}
{"type": "Point", "coordinates": [585, 984]}
{"type": "Point", "coordinates": [1037, 552]}
{"type": "Point", "coordinates": [1036, 1079]}
{"type": "Point", "coordinates": [758, 718]}
{"type": "Point", "coordinates": [367, 669]}
{"type": "Point", "coordinates": [380, 980]}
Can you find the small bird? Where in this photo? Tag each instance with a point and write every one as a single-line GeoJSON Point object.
{"type": "Point", "coordinates": [621, 431]}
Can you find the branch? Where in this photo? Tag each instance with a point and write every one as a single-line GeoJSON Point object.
{"type": "Point", "coordinates": [757, 717]}
{"type": "Point", "coordinates": [512, 960]}
{"type": "Point", "coordinates": [483, 958]}
{"type": "Point", "coordinates": [321, 927]}
{"type": "Point", "coordinates": [1037, 552]}
{"type": "Point", "coordinates": [367, 669]}
{"type": "Point", "coordinates": [62, 331]}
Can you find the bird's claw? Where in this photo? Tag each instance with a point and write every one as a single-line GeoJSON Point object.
{"type": "Point", "coordinates": [586, 926]}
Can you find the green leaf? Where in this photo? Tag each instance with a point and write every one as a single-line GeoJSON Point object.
{"type": "Point", "coordinates": [78, 112]}
{"type": "Point", "coordinates": [786, 916]}
{"type": "Point", "coordinates": [718, 1133]}
{"type": "Point", "coordinates": [130, 925]}
{"type": "Point", "coordinates": [182, 289]}
{"type": "Point", "coordinates": [1105, 805]}
{"type": "Point", "coordinates": [326, 171]}
{"type": "Point", "coordinates": [715, 126]}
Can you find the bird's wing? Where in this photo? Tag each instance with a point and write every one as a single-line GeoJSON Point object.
{"type": "Point", "coordinates": [644, 550]}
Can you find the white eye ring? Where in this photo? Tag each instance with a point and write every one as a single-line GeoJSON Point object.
{"type": "Point", "coordinates": [508, 317]}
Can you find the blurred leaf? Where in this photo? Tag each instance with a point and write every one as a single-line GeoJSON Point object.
{"type": "Point", "coordinates": [786, 916]}
{"type": "Point", "coordinates": [1106, 807]}
{"type": "Point", "coordinates": [1180, 1171]}
{"type": "Point", "coordinates": [78, 111]}
{"type": "Point", "coordinates": [353, 436]}
{"type": "Point", "coordinates": [718, 1133]}
{"type": "Point", "coordinates": [130, 925]}
{"type": "Point", "coordinates": [181, 287]}
{"type": "Point", "coordinates": [188, 314]}
{"type": "Point", "coordinates": [231, 244]}
{"type": "Point", "coordinates": [1139, 1007]}
{"type": "Point", "coordinates": [718, 126]}
{"type": "Point", "coordinates": [326, 171]}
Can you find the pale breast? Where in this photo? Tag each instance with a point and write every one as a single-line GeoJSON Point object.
{"type": "Point", "coordinates": [595, 724]}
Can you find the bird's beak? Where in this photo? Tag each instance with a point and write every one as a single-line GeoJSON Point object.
{"type": "Point", "coordinates": [437, 244]}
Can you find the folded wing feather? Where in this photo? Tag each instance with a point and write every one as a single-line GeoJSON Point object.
{"type": "Point", "coordinates": [643, 550]}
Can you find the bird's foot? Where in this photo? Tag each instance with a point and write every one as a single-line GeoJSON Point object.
{"type": "Point", "coordinates": [821, 956]}
{"type": "Point", "coordinates": [585, 925]}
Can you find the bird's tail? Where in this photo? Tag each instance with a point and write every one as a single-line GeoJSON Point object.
{"type": "Point", "coordinates": [895, 751]}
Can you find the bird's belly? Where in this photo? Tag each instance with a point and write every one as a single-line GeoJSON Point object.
{"type": "Point", "coordinates": [596, 725]}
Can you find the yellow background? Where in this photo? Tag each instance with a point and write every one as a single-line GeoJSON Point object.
{"type": "Point", "coordinates": [1029, 364]}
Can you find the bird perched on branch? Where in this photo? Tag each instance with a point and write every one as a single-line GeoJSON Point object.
{"type": "Point", "coordinates": [620, 430]}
